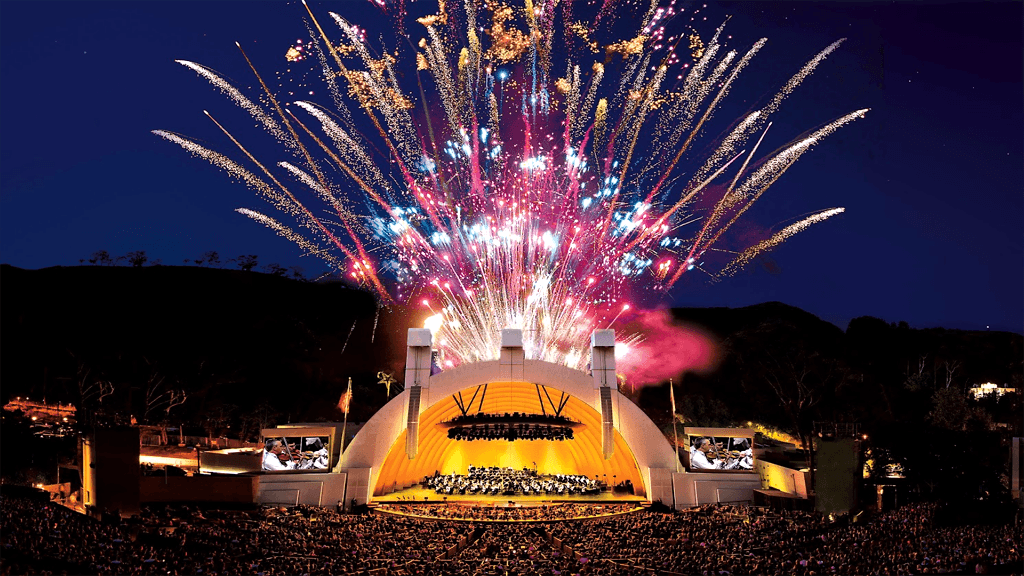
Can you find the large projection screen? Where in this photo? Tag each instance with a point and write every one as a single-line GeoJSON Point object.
{"type": "Point", "coordinates": [720, 449]}
{"type": "Point", "coordinates": [296, 450]}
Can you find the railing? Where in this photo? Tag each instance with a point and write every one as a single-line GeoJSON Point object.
{"type": "Point", "coordinates": [461, 545]}
{"type": "Point", "coordinates": [629, 564]}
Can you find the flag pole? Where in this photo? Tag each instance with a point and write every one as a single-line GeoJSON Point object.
{"type": "Point", "coordinates": [675, 430]}
{"type": "Point", "coordinates": [344, 425]}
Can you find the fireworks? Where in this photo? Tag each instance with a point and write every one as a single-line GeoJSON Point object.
{"type": "Point", "coordinates": [499, 166]}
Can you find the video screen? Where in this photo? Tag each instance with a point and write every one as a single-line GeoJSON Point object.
{"type": "Point", "coordinates": [296, 453]}
{"type": "Point", "coordinates": [712, 453]}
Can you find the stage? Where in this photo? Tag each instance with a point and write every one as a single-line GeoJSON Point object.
{"type": "Point", "coordinates": [422, 495]}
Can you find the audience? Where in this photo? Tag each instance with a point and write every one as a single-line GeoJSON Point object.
{"type": "Point", "coordinates": [553, 512]}
{"type": "Point", "coordinates": [734, 540]}
{"type": "Point", "coordinates": [39, 537]}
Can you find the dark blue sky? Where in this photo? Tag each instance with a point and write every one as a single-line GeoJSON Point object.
{"type": "Point", "coordinates": [931, 178]}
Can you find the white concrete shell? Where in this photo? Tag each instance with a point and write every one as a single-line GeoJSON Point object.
{"type": "Point", "coordinates": [364, 457]}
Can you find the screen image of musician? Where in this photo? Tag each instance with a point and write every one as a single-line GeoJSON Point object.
{"type": "Point", "coordinates": [710, 453]}
{"type": "Point", "coordinates": [296, 453]}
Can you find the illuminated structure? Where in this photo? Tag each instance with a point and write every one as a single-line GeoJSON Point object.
{"type": "Point", "coordinates": [408, 438]}
{"type": "Point", "coordinates": [989, 389]}
{"type": "Point", "coordinates": [566, 421]}
{"type": "Point", "coordinates": [110, 469]}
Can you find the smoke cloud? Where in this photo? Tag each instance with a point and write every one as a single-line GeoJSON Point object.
{"type": "Point", "coordinates": [668, 349]}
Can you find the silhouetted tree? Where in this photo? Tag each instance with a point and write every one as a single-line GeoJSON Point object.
{"type": "Point", "coordinates": [101, 258]}
{"type": "Point", "coordinates": [211, 258]}
{"type": "Point", "coordinates": [801, 380]}
{"type": "Point", "coordinates": [700, 411]}
{"type": "Point", "coordinates": [950, 368]}
{"type": "Point", "coordinates": [246, 262]}
{"type": "Point", "coordinates": [800, 373]}
{"type": "Point", "coordinates": [137, 258]}
{"type": "Point", "coordinates": [263, 416]}
{"type": "Point", "coordinates": [275, 269]}
{"type": "Point", "coordinates": [917, 376]}
{"type": "Point", "coordinates": [953, 411]}
{"type": "Point", "coordinates": [160, 399]}
{"type": "Point", "coordinates": [91, 391]}
{"type": "Point", "coordinates": [949, 410]}
{"type": "Point", "coordinates": [296, 272]}
{"type": "Point", "coordinates": [216, 420]}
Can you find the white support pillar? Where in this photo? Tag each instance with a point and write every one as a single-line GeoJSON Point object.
{"type": "Point", "coordinates": [602, 358]}
{"type": "Point", "coordinates": [417, 358]}
{"type": "Point", "coordinates": [417, 381]}
{"type": "Point", "coordinates": [512, 355]}
{"type": "Point", "coordinates": [602, 369]}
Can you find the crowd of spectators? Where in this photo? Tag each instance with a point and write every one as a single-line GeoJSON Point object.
{"type": "Point", "coordinates": [45, 537]}
{"type": "Point", "coordinates": [184, 540]}
{"type": "Point", "coordinates": [512, 549]}
{"type": "Point", "coordinates": [552, 512]}
{"type": "Point", "coordinates": [495, 481]}
{"type": "Point", "coordinates": [714, 540]}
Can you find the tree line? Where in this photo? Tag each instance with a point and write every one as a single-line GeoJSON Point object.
{"type": "Point", "coordinates": [907, 390]}
{"type": "Point", "coordinates": [210, 259]}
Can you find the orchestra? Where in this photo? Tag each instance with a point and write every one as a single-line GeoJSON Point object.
{"type": "Point", "coordinates": [507, 481]}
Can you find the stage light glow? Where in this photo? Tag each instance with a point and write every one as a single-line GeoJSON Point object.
{"type": "Point", "coordinates": [433, 323]}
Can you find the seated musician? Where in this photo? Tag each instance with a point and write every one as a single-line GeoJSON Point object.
{"type": "Point", "coordinates": [746, 460]}
{"type": "Point", "coordinates": [315, 455]}
{"type": "Point", "coordinates": [699, 459]}
{"type": "Point", "coordinates": [272, 450]}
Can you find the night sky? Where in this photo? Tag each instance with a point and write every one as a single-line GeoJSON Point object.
{"type": "Point", "coordinates": [931, 178]}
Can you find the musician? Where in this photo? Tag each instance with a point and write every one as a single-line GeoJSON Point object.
{"type": "Point", "coordinates": [315, 455]}
{"type": "Point", "coordinates": [272, 450]}
{"type": "Point", "coordinates": [699, 455]}
{"type": "Point", "coordinates": [699, 459]}
{"type": "Point", "coordinates": [746, 460]}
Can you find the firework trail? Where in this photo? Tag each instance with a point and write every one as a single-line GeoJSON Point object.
{"type": "Point", "coordinates": [231, 92]}
{"type": "Point", "coordinates": [347, 338]}
{"type": "Point", "coordinates": [457, 169]}
{"type": "Point", "coordinates": [778, 238]}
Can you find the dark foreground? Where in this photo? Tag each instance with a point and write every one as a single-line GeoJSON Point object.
{"type": "Point", "coordinates": [40, 538]}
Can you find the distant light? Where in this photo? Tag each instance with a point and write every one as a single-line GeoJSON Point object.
{"type": "Point", "coordinates": [433, 323]}
{"type": "Point", "coordinates": [864, 436]}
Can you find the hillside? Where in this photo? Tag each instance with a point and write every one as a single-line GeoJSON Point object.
{"type": "Point", "coordinates": [241, 339]}
{"type": "Point", "coordinates": [228, 335]}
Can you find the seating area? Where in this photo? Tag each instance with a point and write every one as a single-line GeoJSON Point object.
{"type": "Point", "coordinates": [43, 537]}
{"type": "Point", "coordinates": [496, 481]}
{"type": "Point", "coordinates": [489, 513]}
